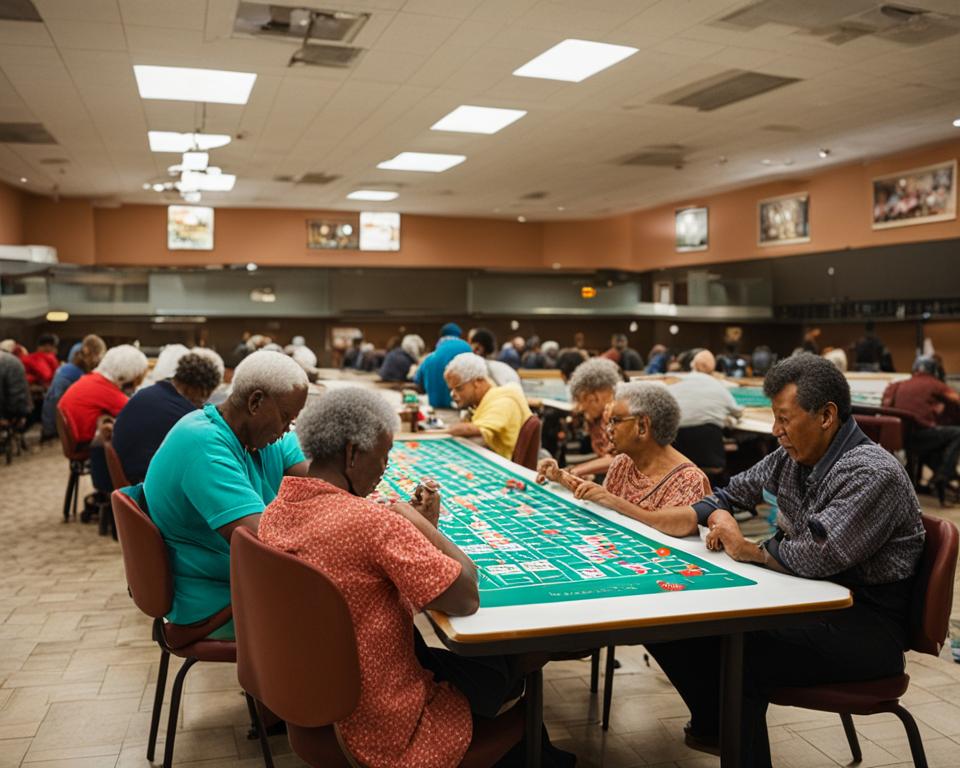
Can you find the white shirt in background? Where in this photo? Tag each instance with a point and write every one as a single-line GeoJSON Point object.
{"type": "Point", "coordinates": [704, 400]}
{"type": "Point", "coordinates": [501, 373]}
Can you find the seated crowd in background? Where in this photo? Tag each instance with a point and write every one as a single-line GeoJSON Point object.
{"type": "Point", "coordinates": [484, 344]}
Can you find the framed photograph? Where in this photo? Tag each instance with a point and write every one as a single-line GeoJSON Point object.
{"type": "Point", "coordinates": [919, 196]}
{"type": "Point", "coordinates": [333, 234]}
{"type": "Point", "coordinates": [379, 231]}
{"type": "Point", "coordinates": [663, 293]}
{"type": "Point", "coordinates": [692, 229]}
{"type": "Point", "coordinates": [189, 228]}
{"type": "Point", "coordinates": [784, 220]}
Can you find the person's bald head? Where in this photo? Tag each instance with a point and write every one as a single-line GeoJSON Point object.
{"type": "Point", "coordinates": [704, 362]}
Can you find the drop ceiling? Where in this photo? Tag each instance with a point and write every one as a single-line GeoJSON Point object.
{"type": "Point", "coordinates": [72, 73]}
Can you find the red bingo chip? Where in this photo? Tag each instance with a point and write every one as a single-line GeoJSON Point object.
{"type": "Point", "coordinates": [663, 551]}
{"type": "Point", "coordinates": [668, 587]}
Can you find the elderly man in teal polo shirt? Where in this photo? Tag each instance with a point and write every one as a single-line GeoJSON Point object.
{"type": "Point", "coordinates": [216, 470]}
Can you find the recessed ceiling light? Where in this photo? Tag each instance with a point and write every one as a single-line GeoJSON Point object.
{"type": "Point", "coordinates": [574, 60]}
{"type": "Point", "coordinates": [251, 267]}
{"type": "Point", "coordinates": [158, 187]}
{"type": "Point", "coordinates": [956, 123]}
{"type": "Point", "coordinates": [23, 179]}
{"type": "Point", "coordinates": [522, 219]}
{"type": "Point", "coordinates": [195, 181]}
{"type": "Point", "coordinates": [214, 86]}
{"type": "Point", "coordinates": [375, 195]}
{"type": "Point", "coordinates": [171, 141]}
{"type": "Point", "coordinates": [468, 119]}
{"type": "Point", "coordinates": [195, 161]}
{"type": "Point", "coordinates": [426, 162]}
{"type": "Point", "coordinates": [766, 161]}
{"type": "Point", "coordinates": [823, 152]}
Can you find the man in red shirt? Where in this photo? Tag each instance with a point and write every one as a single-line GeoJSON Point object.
{"type": "Point", "coordinates": [926, 397]}
{"type": "Point", "coordinates": [42, 363]}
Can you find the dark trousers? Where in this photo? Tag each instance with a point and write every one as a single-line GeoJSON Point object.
{"type": "Point", "coordinates": [99, 472]}
{"type": "Point", "coordinates": [939, 447]}
{"type": "Point", "coordinates": [857, 644]}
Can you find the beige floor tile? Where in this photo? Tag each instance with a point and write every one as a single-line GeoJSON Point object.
{"type": "Point", "coordinates": [833, 742]}
{"type": "Point", "coordinates": [105, 761]}
{"type": "Point", "coordinates": [98, 724]}
{"type": "Point", "coordinates": [214, 708]}
{"type": "Point", "coordinates": [12, 752]}
{"type": "Point", "coordinates": [941, 753]}
{"type": "Point", "coordinates": [798, 753]}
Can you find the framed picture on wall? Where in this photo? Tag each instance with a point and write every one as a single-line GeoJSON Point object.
{"type": "Point", "coordinates": [919, 196]}
{"type": "Point", "coordinates": [692, 229]}
{"type": "Point", "coordinates": [333, 234]}
{"type": "Point", "coordinates": [189, 228]}
{"type": "Point", "coordinates": [784, 220]}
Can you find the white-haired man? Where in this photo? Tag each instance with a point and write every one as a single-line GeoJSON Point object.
{"type": "Point", "coordinates": [498, 412]}
{"type": "Point", "coordinates": [216, 470]}
{"type": "Point", "coordinates": [704, 399]}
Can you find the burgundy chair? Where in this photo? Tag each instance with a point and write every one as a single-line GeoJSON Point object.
{"type": "Point", "coordinates": [78, 454]}
{"type": "Point", "coordinates": [297, 654]}
{"type": "Point", "coordinates": [930, 618]}
{"type": "Point", "coordinates": [528, 444]}
{"type": "Point", "coordinates": [884, 430]}
{"type": "Point", "coordinates": [150, 583]}
{"type": "Point", "coordinates": [117, 476]}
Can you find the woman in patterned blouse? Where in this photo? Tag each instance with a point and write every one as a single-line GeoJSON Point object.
{"type": "Point", "coordinates": [592, 385]}
{"type": "Point", "coordinates": [647, 472]}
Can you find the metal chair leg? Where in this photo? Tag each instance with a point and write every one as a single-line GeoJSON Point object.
{"type": "Point", "coordinates": [595, 670]}
{"type": "Point", "coordinates": [608, 686]}
{"type": "Point", "coordinates": [913, 736]}
{"type": "Point", "coordinates": [257, 723]}
{"type": "Point", "coordinates": [158, 703]}
{"type": "Point", "coordinates": [68, 497]}
{"type": "Point", "coordinates": [852, 739]}
{"type": "Point", "coordinates": [76, 492]}
{"type": "Point", "coordinates": [175, 695]}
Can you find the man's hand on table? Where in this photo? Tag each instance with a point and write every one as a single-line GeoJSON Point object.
{"type": "Point", "coordinates": [724, 534]}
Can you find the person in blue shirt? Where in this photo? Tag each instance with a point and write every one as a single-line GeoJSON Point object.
{"type": "Point", "coordinates": [429, 376]}
{"type": "Point", "coordinates": [151, 413]}
{"type": "Point", "coordinates": [216, 470]}
{"type": "Point", "coordinates": [399, 360]}
{"type": "Point", "coordinates": [84, 357]}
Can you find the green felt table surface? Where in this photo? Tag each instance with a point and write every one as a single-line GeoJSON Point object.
{"type": "Point", "coordinates": [533, 546]}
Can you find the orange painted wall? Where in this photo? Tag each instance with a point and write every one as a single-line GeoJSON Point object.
{"type": "Point", "coordinates": [136, 234]}
{"type": "Point", "coordinates": [840, 216]}
{"type": "Point", "coordinates": [840, 201]}
{"type": "Point", "coordinates": [67, 225]}
{"type": "Point", "coordinates": [11, 216]}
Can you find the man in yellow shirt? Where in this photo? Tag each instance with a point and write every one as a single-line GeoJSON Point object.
{"type": "Point", "coordinates": [498, 412]}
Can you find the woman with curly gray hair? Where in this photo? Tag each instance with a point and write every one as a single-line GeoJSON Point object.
{"type": "Point", "coordinates": [591, 389]}
{"type": "Point", "coordinates": [389, 562]}
{"type": "Point", "coordinates": [648, 472]}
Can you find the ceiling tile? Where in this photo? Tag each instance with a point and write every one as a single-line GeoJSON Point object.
{"type": "Point", "coordinates": [87, 35]}
{"type": "Point", "coordinates": [87, 10]}
{"type": "Point", "coordinates": [173, 14]}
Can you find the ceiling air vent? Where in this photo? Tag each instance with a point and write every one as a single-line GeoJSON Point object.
{"type": "Point", "coordinates": [662, 156]}
{"type": "Point", "coordinates": [25, 133]}
{"type": "Point", "coordinates": [54, 161]}
{"type": "Point", "coordinates": [319, 55]}
{"type": "Point", "coordinates": [18, 10]}
{"type": "Point", "coordinates": [534, 195]}
{"type": "Point", "coordinates": [780, 128]}
{"type": "Point", "coordinates": [317, 178]}
{"type": "Point", "coordinates": [724, 89]}
{"type": "Point", "coordinates": [299, 24]}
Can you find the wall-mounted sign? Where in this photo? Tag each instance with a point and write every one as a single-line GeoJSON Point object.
{"type": "Point", "coordinates": [691, 229]}
{"type": "Point", "coordinates": [379, 231]}
{"type": "Point", "coordinates": [784, 220]}
{"type": "Point", "coordinates": [920, 196]}
{"type": "Point", "coordinates": [333, 234]}
{"type": "Point", "coordinates": [189, 228]}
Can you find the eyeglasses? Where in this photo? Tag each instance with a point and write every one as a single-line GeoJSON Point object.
{"type": "Point", "coordinates": [614, 420]}
{"type": "Point", "coordinates": [460, 386]}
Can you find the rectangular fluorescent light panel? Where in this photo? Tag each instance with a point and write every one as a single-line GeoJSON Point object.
{"type": "Point", "coordinates": [574, 60]}
{"type": "Point", "coordinates": [194, 181]}
{"type": "Point", "coordinates": [171, 141]}
{"type": "Point", "coordinates": [468, 119]}
{"type": "Point", "coordinates": [427, 162]}
{"type": "Point", "coordinates": [213, 86]}
{"type": "Point", "coordinates": [195, 161]}
{"type": "Point", "coordinates": [373, 195]}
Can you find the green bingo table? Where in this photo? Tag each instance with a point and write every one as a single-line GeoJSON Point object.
{"type": "Point", "coordinates": [532, 546]}
{"type": "Point", "coordinates": [558, 574]}
{"type": "Point", "coordinates": [750, 397]}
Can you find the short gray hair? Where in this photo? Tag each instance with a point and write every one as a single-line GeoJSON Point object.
{"type": "Point", "coordinates": [653, 400]}
{"type": "Point", "coordinates": [349, 415]}
{"type": "Point", "coordinates": [467, 366]}
{"type": "Point", "coordinates": [271, 372]}
{"type": "Point", "coordinates": [123, 364]}
{"type": "Point", "coordinates": [593, 375]}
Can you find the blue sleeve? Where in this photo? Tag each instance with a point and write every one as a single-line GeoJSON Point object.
{"type": "Point", "coordinates": [418, 376]}
{"type": "Point", "coordinates": [290, 448]}
{"type": "Point", "coordinates": [218, 487]}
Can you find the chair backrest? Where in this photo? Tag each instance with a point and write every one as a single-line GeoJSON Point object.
{"type": "Point", "coordinates": [933, 594]}
{"type": "Point", "coordinates": [296, 648]}
{"type": "Point", "coordinates": [703, 445]}
{"type": "Point", "coordinates": [145, 558]}
{"type": "Point", "coordinates": [526, 450]}
{"type": "Point", "coordinates": [882, 429]}
{"type": "Point", "coordinates": [68, 441]}
{"type": "Point", "coordinates": [114, 466]}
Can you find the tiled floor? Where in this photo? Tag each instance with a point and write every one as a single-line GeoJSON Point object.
{"type": "Point", "coordinates": [77, 668]}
